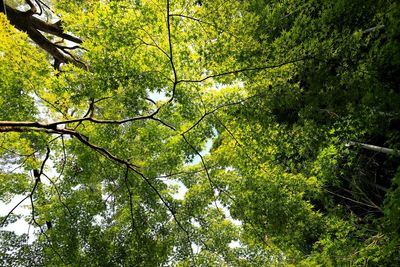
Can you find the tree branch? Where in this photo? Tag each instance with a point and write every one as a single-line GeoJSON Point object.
{"type": "Point", "coordinates": [127, 184]}
{"type": "Point", "coordinates": [52, 129]}
{"type": "Point", "coordinates": [12, 210]}
{"type": "Point", "coordinates": [374, 148]}
{"type": "Point", "coordinates": [242, 70]}
{"type": "Point", "coordinates": [26, 22]}
{"type": "Point", "coordinates": [171, 58]}
{"type": "Point", "coordinates": [216, 109]}
{"type": "Point", "coordinates": [32, 7]}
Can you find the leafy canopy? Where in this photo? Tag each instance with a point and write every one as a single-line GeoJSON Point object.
{"type": "Point", "coordinates": [200, 133]}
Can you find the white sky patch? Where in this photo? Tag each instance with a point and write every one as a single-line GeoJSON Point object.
{"type": "Point", "coordinates": [182, 189]}
{"type": "Point", "coordinates": [43, 111]}
{"type": "Point", "coordinates": [196, 248]}
{"type": "Point", "coordinates": [228, 216]}
{"type": "Point", "coordinates": [21, 226]}
{"type": "Point", "coordinates": [157, 96]}
{"type": "Point", "coordinates": [6, 208]}
{"type": "Point", "coordinates": [229, 169]}
{"type": "Point", "coordinates": [205, 151]}
{"type": "Point", "coordinates": [235, 244]}
{"type": "Point", "coordinates": [226, 212]}
{"type": "Point", "coordinates": [97, 220]}
{"type": "Point", "coordinates": [195, 223]}
{"type": "Point", "coordinates": [221, 86]}
{"type": "Point", "coordinates": [76, 187]}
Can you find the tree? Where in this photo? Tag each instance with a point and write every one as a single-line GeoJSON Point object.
{"type": "Point", "coordinates": [261, 112]}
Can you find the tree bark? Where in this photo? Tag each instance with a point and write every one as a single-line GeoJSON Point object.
{"type": "Point", "coordinates": [375, 148]}
{"type": "Point", "coordinates": [26, 22]}
{"type": "Point", "coordinates": [2, 7]}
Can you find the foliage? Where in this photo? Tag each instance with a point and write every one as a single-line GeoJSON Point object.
{"type": "Point", "coordinates": [259, 111]}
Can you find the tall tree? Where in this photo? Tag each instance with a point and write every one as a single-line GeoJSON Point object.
{"type": "Point", "coordinates": [200, 133]}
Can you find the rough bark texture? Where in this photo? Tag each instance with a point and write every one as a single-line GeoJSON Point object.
{"type": "Point", "coordinates": [26, 21]}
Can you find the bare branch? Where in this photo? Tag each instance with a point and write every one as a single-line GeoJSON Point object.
{"type": "Point", "coordinates": [4, 125]}
{"type": "Point", "coordinates": [41, 3]}
{"type": "Point", "coordinates": [243, 70]}
{"type": "Point", "coordinates": [353, 200]}
{"type": "Point", "coordinates": [171, 57]}
{"type": "Point", "coordinates": [59, 195]}
{"type": "Point", "coordinates": [70, 47]}
{"type": "Point", "coordinates": [127, 184]}
{"type": "Point", "coordinates": [151, 100]}
{"type": "Point", "coordinates": [51, 129]}
{"type": "Point", "coordinates": [216, 109]}
{"type": "Point", "coordinates": [33, 26]}
{"type": "Point", "coordinates": [44, 162]}
{"type": "Point", "coordinates": [34, 126]}
{"type": "Point", "coordinates": [379, 149]}
{"type": "Point", "coordinates": [164, 123]}
{"type": "Point", "coordinates": [12, 210]}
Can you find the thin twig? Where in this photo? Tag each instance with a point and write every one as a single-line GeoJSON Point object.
{"type": "Point", "coordinates": [350, 199]}
{"type": "Point", "coordinates": [242, 70]}
{"type": "Point", "coordinates": [11, 211]}
{"type": "Point", "coordinates": [127, 184]}
{"type": "Point", "coordinates": [216, 109]}
{"type": "Point", "coordinates": [59, 195]}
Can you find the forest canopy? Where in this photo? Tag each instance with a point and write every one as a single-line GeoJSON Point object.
{"type": "Point", "coordinates": [200, 133]}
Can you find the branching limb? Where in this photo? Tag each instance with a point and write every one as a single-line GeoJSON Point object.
{"type": "Point", "coordinates": [41, 3]}
{"type": "Point", "coordinates": [12, 210]}
{"type": "Point", "coordinates": [206, 113]}
{"type": "Point", "coordinates": [46, 236]}
{"type": "Point", "coordinates": [88, 117]}
{"type": "Point", "coordinates": [242, 70]}
{"type": "Point", "coordinates": [213, 185]}
{"type": "Point", "coordinates": [51, 129]}
{"type": "Point", "coordinates": [33, 26]}
{"type": "Point", "coordinates": [353, 200]}
{"type": "Point", "coordinates": [39, 127]}
{"type": "Point", "coordinates": [37, 181]}
{"type": "Point", "coordinates": [128, 188]}
{"type": "Point", "coordinates": [59, 195]}
{"type": "Point", "coordinates": [154, 44]}
{"type": "Point", "coordinates": [171, 56]}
